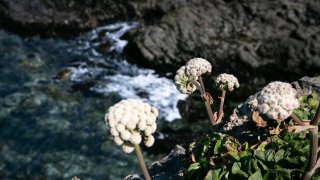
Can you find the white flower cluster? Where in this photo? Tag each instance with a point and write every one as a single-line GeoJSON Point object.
{"type": "Point", "coordinates": [277, 100]}
{"type": "Point", "coordinates": [130, 122]}
{"type": "Point", "coordinates": [191, 72]}
{"type": "Point", "coordinates": [227, 81]}
{"type": "Point", "coordinates": [197, 66]}
{"type": "Point", "coordinates": [183, 82]}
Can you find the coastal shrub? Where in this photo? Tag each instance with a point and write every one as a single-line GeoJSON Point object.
{"type": "Point", "coordinates": [279, 156]}
{"type": "Point", "coordinates": [288, 148]}
{"type": "Point", "coordinates": [286, 152]}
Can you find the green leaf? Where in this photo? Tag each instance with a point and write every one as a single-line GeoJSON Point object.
{"type": "Point", "coordinates": [290, 162]}
{"type": "Point", "coordinates": [234, 155]}
{"type": "Point", "coordinates": [246, 146]}
{"type": "Point", "coordinates": [217, 147]}
{"type": "Point", "coordinates": [303, 98]}
{"type": "Point", "coordinates": [270, 153]}
{"type": "Point", "coordinates": [213, 175]}
{"type": "Point", "coordinates": [314, 96]}
{"type": "Point", "coordinates": [194, 166]}
{"type": "Point", "coordinates": [261, 146]}
{"type": "Point", "coordinates": [313, 103]}
{"type": "Point", "coordinates": [206, 145]}
{"type": "Point", "coordinates": [279, 155]}
{"type": "Point", "coordinates": [260, 154]}
{"type": "Point", "coordinates": [302, 135]}
{"type": "Point", "coordinates": [274, 174]}
{"type": "Point", "coordinates": [244, 154]}
{"type": "Point", "coordinates": [236, 169]}
{"type": "Point", "coordinates": [298, 112]}
{"type": "Point", "coordinates": [250, 166]}
{"type": "Point", "coordinates": [277, 140]}
{"type": "Point", "coordinates": [303, 159]}
{"type": "Point", "coordinates": [224, 174]}
{"type": "Point", "coordinates": [256, 176]}
{"type": "Point", "coordinates": [264, 167]}
{"type": "Point", "coordinates": [306, 113]}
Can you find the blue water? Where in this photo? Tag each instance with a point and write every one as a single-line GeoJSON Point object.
{"type": "Point", "coordinates": [54, 94]}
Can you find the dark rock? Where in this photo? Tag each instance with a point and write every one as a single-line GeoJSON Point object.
{"type": "Point", "coordinates": [64, 17]}
{"type": "Point", "coordinates": [258, 41]}
{"type": "Point", "coordinates": [167, 168]}
{"type": "Point", "coordinates": [308, 85]}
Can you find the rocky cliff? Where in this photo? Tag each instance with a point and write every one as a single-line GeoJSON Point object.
{"type": "Point", "coordinates": [258, 41]}
{"type": "Point", "coordinates": [62, 17]}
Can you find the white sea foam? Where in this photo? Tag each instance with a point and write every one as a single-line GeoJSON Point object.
{"type": "Point", "coordinates": [158, 91]}
{"type": "Point", "coordinates": [119, 76]}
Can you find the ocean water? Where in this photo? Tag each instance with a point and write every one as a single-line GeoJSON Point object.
{"type": "Point", "coordinates": [54, 94]}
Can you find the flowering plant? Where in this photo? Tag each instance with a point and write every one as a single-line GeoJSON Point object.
{"type": "Point", "coordinates": [280, 145]}
{"type": "Point", "coordinates": [189, 78]}
{"type": "Point", "coordinates": [130, 122]}
{"type": "Point", "coordinates": [272, 155]}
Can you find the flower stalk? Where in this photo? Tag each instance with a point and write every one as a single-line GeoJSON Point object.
{"type": "Point", "coordinates": [222, 98]}
{"type": "Point", "coordinates": [141, 162]}
{"type": "Point", "coordinates": [297, 120]}
{"type": "Point", "coordinates": [225, 82]}
{"type": "Point", "coordinates": [207, 101]}
{"type": "Point", "coordinates": [210, 114]}
{"type": "Point", "coordinates": [314, 146]}
{"type": "Point", "coordinates": [189, 78]}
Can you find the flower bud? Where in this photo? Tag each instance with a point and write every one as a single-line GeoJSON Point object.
{"type": "Point", "coordinates": [127, 148]}
{"type": "Point", "coordinates": [227, 82]}
{"type": "Point", "coordinates": [149, 141]}
{"type": "Point", "coordinates": [184, 82]}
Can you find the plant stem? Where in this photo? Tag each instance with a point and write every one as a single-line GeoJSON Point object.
{"type": "Point", "coordinates": [222, 98]}
{"type": "Point", "coordinates": [207, 104]}
{"type": "Point", "coordinates": [210, 114]}
{"type": "Point", "coordinates": [297, 119]}
{"type": "Point", "coordinates": [141, 161]}
{"type": "Point", "coordinates": [197, 84]}
{"type": "Point", "coordinates": [202, 85]}
{"type": "Point", "coordinates": [316, 119]}
{"type": "Point", "coordinates": [313, 155]}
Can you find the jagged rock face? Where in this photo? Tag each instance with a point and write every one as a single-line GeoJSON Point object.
{"type": "Point", "coordinates": [258, 42]}
{"type": "Point", "coordinates": [66, 17]}
{"type": "Point", "coordinates": [308, 85]}
{"type": "Point", "coordinates": [252, 32]}
{"type": "Point", "coordinates": [267, 40]}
